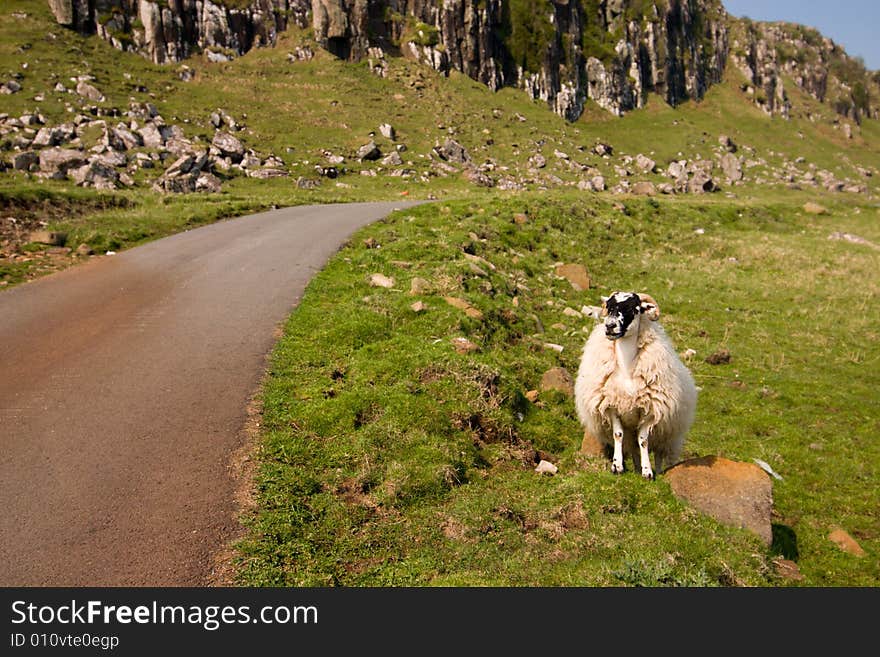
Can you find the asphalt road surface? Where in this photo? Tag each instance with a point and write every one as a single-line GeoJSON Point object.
{"type": "Point", "coordinates": [124, 384]}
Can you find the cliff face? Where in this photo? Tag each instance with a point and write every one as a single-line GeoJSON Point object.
{"type": "Point", "coordinates": [564, 52]}
{"type": "Point", "coordinates": [171, 30]}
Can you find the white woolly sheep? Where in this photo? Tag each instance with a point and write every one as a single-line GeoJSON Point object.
{"type": "Point", "coordinates": [632, 391]}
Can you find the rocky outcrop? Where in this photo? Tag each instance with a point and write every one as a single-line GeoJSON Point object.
{"type": "Point", "coordinates": [564, 52]}
{"type": "Point", "coordinates": [171, 30]}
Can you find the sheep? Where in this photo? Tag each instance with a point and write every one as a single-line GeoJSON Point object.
{"type": "Point", "coordinates": [632, 390]}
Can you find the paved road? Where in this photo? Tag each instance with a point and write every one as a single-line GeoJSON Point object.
{"type": "Point", "coordinates": [124, 384]}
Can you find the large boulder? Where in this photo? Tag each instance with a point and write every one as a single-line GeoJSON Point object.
{"type": "Point", "coordinates": [732, 167]}
{"type": "Point", "coordinates": [452, 151]}
{"type": "Point", "coordinates": [734, 493]}
{"type": "Point", "coordinates": [58, 161]}
{"type": "Point", "coordinates": [228, 146]}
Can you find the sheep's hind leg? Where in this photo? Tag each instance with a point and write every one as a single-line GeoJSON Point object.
{"type": "Point", "coordinates": [647, 473]}
{"type": "Point", "coordinates": [617, 460]}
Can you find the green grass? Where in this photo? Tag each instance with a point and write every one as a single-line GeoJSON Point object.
{"type": "Point", "coordinates": [386, 458]}
{"type": "Point", "coordinates": [389, 459]}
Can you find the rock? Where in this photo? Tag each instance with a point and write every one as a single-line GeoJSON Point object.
{"type": "Point", "coordinates": [532, 396]}
{"type": "Point", "coordinates": [388, 131]}
{"type": "Point", "coordinates": [419, 286]}
{"type": "Point", "coordinates": [644, 188]}
{"type": "Point", "coordinates": [208, 182]}
{"type": "Point", "coordinates": [576, 275]}
{"type": "Point", "coordinates": [84, 250]}
{"type": "Point", "coordinates": [846, 542]}
{"type": "Point", "coordinates": [25, 161]}
{"type": "Point", "coordinates": [47, 237]}
{"type": "Point", "coordinates": [368, 151]}
{"type": "Point", "coordinates": [263, 174]}
{"type": "Point", "coordinates": [520, 218]}
{"type": "Point", "coordinates": [380, 280]}
{"type": "Point", "coordinates": [734, 493]}
{"type": "Point", "coordinates": [121, 138]}
{"type": "Point", "coordinates": [558, 378]}
{"type": "Point", "coordinates": [601, 149]}
{"type": "Point", "coordinates": [852, 239]}
{"type": "Point", "coordinates": [700, 183]}
{"type": "Point", "coordinates": [10, 87]}
{"type": "Point", "coordinates": [559, 155]}
{"type": "Point", "coordinates": [464, 346]}
{"type": "Point", "coordinates": [732, 167]}
{"type": "Point", "coordinates": [183, 164]}
{"type": "Point", "coordinates": [86, 90]}
{"type": "Point", "coordinates": [393, 159]}
{"type": "Point", "coordinates": [545, 467]}
{"type": "Point", "coordinates": [95, 174]}
{"type": "Point", "coordinates": [592, 446]}
{"type": "Point", "coordinates": [478, 178]}
{"type": "Point", "coordinates": [720, 357]}
{"type": "Point", "coordinates": [814, 208]}
{"type": "Point", "coordinates": [468, 309]}
{"type": "Point", "coordinates": [418, 307]}
{"type": "Point", "coordinates": [645, 163]}
{"type": "Point", "coordinates": [537, 161]}
{"type": "Point", "coordinates": [726, 142]}
{"type": "Point", "coordinates": [58, 161]}
{"type": "Point", "coordinates": [598, 183]}
{"type": "Point", "coordinates": [152, 136]}
{"type": "Point", "coordinates": [228, 145]}
{"type": "Point", "coordinates": [452, 151]}
{"type": "Point", "coordinates": [847, 130]}
{"type": "Point", "coordinates": [787, 569]}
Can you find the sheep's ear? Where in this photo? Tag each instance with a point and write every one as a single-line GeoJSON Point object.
{"type": "Point", "coordinates": [649, 307]}
{"type": "Point", "coordinates": [604, 311]}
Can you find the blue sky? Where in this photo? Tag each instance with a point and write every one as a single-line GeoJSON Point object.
{"type": "Point", "coordinates": [853, 24]}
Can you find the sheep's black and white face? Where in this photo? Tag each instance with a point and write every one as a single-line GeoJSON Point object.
{"type": "Point", "coordinates": [622, 311]}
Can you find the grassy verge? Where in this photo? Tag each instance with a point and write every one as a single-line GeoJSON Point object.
{"type": "Point", "coordinates": [389, 459]}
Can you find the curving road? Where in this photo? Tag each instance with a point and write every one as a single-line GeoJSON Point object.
{"type": "Point", "coordinates": [124, 384]}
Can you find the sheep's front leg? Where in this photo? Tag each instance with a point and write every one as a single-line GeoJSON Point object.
{"type": "Point", "coordinates": [617, 429]}
{"type": "Point", "coordinates": [647, 473]}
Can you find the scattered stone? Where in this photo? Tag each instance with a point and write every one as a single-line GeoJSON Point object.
{"type": "Point", "coordinates": [559, 155]}
{"type": "Point", "coordinates": [10, 87]}
{"type": "Point", "coordinates": [732, 167]}
{"type": "Point", "coordinates": [846, 542]}
{"type": "Point", "coordinates": [380, 280]}
{"type": "Point", "coordinates": [520, 219]}
{"type": "Point", "coordinates": [468, 309]}
{"type": "Point", "coordinates": [734, 493]}
{"type": "Point", "coordinates": [721, 357]}
{"type": "Point", "coordinates": [419, 286]}
{"type": "Point", "coordinates": [368, 151]}
{"type": "Point", "coordinates": [727, 142]}
{"type": "Point", "coordinates": [537, 161]}
{"type": "Point", "coordinates": [701, 183]}
{"type": "Point", "coordinates": [571, 312]}
{"type": "Point", "coordinates": [532, 396]}
{"type": "Point", "coordinates": [814, 208]}
{"type": "Point", "coordinates": [787, 569]}
{"type": "Point", "coordinates": [58, 161]}
{"type": "Point", "coordinates": [603, 149]}
{"type": "Point", "coordinates": [688, 353]}
{"type": "Point", "coordinates": [552, 346]}
{"type": "Point", "coordinates": [598, 183]}
{"type": "Point", "coordinates": [574, 274]}
{"type": "Point", "coordinates": [208, 182]}
{"type": "Point", "coordinates": [418, 307]}
{"type": "Point", "coordinates": [558, 378]}
{"type": "Point", "coordinates": [25, 161]}
{"type": "Point", "coordinates": [645, 163]}
{"type": "Point", "coordinates": [853, 239]}
{"type": "Point", "coordinates": [228, 146]}
{"type": "Point", "coordinates": [644, 188]}
{"type": "Point", "coordinates": [86, 90]}
{"type": "Point", "coordinates": [371, 243]}
{"type": "Point", "coordinates": [393, 159]}
{"type": "Point", "coordinates": [388, 131]}
{"type": "Point", "coordinates": [464, 346]}
{"type": "Point", "coordinates": [763, 464]}
{"type": "Point", "coordinates": [452, 151]}
{"type": "Point", "coordinates": [847, 130]}
{"type": "Point", "coordinates": [48, 237]}
{"type": "Point", "coordinates": [478, 178]}
{"type": "Point", "coordinates": [545, 467]}
{"type": "Point", "coordinates": [300, 54]}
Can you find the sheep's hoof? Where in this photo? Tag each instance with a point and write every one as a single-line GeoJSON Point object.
{"type": "Point", "coordinates": [648, 474]}
{"type": "Point", "coordinates": [617, 468]}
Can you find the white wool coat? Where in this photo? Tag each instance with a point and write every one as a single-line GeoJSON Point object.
{"type": "Point", "coordinates": [664, 393]}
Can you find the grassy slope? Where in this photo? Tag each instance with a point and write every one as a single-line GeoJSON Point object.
{"type": "Point", "coordinates": [390, 459]}
{"type": "Point", "coordinates": [370, 469]}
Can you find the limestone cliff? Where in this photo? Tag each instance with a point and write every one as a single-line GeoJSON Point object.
{"type": "Point", "coordinates": [613, 52]}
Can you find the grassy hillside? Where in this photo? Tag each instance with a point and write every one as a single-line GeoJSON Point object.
{"type": "Point", "coordinates": [388, 458]}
